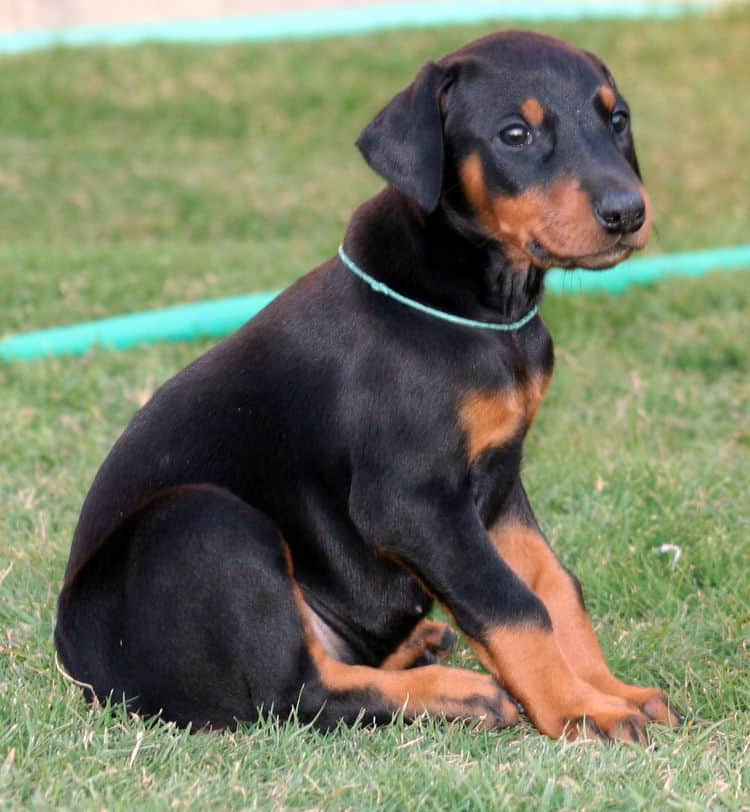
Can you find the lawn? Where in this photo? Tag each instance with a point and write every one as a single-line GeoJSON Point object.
{"type": "Point", "coordinates": [150, 176]}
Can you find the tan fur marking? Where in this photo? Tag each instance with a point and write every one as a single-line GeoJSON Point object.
{"type": "Point", "coordinates": [529, 662]}
{"type": "Point", "coordinates": [453, 693]}
{"type": "Point", "coordinates": [530, 557]}
{"type": "Point", "coordinates": [427, 635]}
{"type": "Point", "coordinates": [533, 112]}
{"type": "Point", "coordinates": [472, 179]}
{"type": "Point", "coordinates": [560, 218]}
{"type": "Point", "coordinates": [527, 553]}
{"type": "Point", "coordinates": [608, 97]}
{"type": "Point", "coordinates": [491, 420]}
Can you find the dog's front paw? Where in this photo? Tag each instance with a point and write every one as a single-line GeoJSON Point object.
{"type": "Point", "coordinates": [501, 711]}
{"type": "Point", "coordinates": [652, 702]}
{"type": "Point", "coordinates": [626, 725]}
{"type": "Point", "coordinates": [593, 715]}
{"type": "Point", "coordinates": [486, 700]}
{"type": "Point", "coordinates": [658, 708]}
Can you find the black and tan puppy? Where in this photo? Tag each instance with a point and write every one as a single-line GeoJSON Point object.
{"type": "Point", "coordinates": [271, 530]}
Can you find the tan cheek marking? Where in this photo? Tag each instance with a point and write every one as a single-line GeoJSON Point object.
{"type": "Point", "coordinates": [575, 230]}
{"type": "Point", "coordinates": [490, 420]}
{"type": "Point", "coordinates": [472, 180]}
{"type": "Point", "coordinates": [607, 95]}
{"type": "Point", "coordinates": [560, 218]}
{"type": "Point", "coordinates": [565, 224]}
{"type": "Point", "coordinates": [518, 217]}
{"type": "Point", "coordinates": [505, 218]}
{"type": "Point", "coordinates": [516, 220]}
{"type": "Point", "coordinates": [533, 112]}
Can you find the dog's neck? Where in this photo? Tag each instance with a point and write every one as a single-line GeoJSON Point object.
{"type": "Point", "coordinates": [440, 260]}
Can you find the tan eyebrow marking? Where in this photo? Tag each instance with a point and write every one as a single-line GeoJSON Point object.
{"type": "Point", "coordinates": [607, 95]}
{"type": "Point", "coordinates": [533, 112]}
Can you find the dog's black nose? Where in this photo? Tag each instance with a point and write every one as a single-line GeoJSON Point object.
{"type": "Point", "coordinates": [620, 211]}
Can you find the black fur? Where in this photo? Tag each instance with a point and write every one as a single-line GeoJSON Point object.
{"type": "Point", "coordinates": [331, 422]}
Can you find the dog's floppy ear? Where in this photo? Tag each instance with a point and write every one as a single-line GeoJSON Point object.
{"type": "Point", "coordinates": [404, 142]}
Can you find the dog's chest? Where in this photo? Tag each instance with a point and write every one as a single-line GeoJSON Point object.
{"type": "Point", "coordinates": [496, 411]}
{"type": "Point", "coordinates": [493, 419]}
{"type": "Point", "coordinates": [495, 424]}
{"type": "Point", "coordinates": [498, 406]}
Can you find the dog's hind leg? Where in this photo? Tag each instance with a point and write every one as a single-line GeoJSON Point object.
{"type": "Point", "coordinates": [190, 611]}
{"type": "Point", "coordinates": [362, 693]}
{"type": "Point", "coordinates": [187, 612]}
{"type": "Point", "coordinates": [429, 640]}
{"type": "Point", "coordinates": [353, 693]}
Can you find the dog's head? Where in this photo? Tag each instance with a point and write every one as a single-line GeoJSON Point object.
{"type": "Point", "coordinates": [528, 137]}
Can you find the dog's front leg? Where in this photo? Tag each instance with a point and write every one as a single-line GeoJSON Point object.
{"type": "Point", "coordinates": [443, 543]}
{"type": "Point", "coordinates": [521, 544]}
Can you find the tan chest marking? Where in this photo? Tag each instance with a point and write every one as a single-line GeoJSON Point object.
{"type": "Point", "coordinates": [492, 419]}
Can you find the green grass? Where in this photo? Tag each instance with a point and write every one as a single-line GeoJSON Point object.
{"type": "Point", "coordinates": [149, 176]}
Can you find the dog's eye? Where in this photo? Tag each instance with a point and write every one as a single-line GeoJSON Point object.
{"type": "Point", "coordinates": [516, 135]}
{"type": "Point", "coordinates": [619, 121]}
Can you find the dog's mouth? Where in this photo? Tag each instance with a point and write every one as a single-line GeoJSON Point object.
{"type": "Point", "coordinates": [569, 237]}
{"type": "Point", "coordinates": [608, 257]}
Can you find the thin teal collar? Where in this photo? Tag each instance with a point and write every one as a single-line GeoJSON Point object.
{"type": "Point", "coordinates": [380, 287]}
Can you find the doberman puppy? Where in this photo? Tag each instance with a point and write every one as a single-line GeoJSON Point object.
{"type": "Point", "coordinates": [272, 528]}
